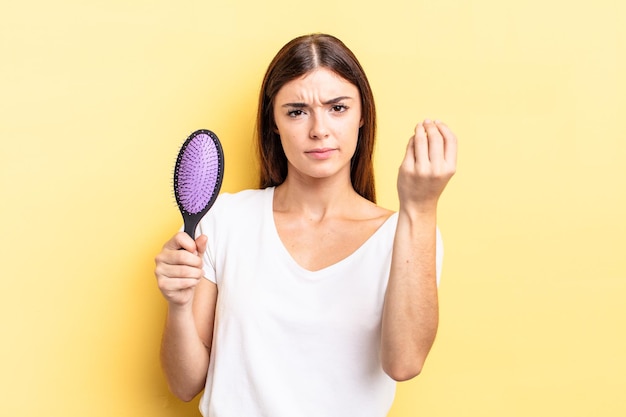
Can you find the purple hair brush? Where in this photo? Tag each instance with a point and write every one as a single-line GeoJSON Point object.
{"type": "Point", "coordinates": [198, 177]}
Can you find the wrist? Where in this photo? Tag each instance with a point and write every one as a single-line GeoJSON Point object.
{"type": "Point", "coordinates": [420, 210]}
{"type": "Point", "coordinates": [176, 311]}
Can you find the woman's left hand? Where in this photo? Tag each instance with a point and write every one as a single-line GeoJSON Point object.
{"type": "Point", "coordinates": [428, 165]}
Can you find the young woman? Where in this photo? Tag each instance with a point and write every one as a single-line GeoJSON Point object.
{"type": "Point", "coordinates": [303, 297]}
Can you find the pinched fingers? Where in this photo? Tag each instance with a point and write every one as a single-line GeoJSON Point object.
{"type": "Point", "coordinates": [450, 144]}
{"type": "Point", "coordinates": [417, 152]}
{"type": "Point", "coordinates": [429, 163]}
{"type": "Point", "coordinates": [435, 149]}
{"type": "Point", "coordinates": [420, 145]}
{"type": "Point", "coordinates": [435, 142]}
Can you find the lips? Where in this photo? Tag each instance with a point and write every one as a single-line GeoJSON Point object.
{"type": "Point", "coordinates": [321, 153]}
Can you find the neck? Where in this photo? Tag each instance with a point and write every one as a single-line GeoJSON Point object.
{"type": "Point", "coordinates": [314, 198]}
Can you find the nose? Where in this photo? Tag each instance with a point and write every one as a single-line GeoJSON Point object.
{"type": "Point", "coordinates": [319, 130]}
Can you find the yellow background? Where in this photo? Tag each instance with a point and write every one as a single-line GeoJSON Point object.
{"type": "Point", "coordinates": [97, 96]}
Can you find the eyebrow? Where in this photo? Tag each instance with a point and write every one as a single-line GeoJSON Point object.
{"type": "Point", "coordinates": [331, 101]}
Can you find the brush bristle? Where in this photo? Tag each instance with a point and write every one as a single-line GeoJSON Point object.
{"type": "Point", "coordinates": [197, 173]}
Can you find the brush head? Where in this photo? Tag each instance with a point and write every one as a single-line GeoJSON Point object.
{"type": "Point", "coordinates": [198, 175]}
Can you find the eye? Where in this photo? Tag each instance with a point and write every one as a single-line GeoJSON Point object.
{"type": "Point", "coordinates": [339, 108]}
{"type": "Point", "coordinates": [295, 113]}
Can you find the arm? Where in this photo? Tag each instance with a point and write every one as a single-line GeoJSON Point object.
{"type": "Point", "coordinates": [410, 314]}
{"type": "Point", "coordinates": [187, 337]}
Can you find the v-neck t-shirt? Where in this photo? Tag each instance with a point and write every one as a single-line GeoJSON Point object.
{"type": "Point", "coordinates": [289, 341]}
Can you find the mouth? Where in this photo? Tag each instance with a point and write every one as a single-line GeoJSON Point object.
{"type": "Point", "coordinates": [321, 153]}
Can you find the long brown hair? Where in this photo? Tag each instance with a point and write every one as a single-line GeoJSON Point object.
{"type": "Point", "coordinates": [297, 58]}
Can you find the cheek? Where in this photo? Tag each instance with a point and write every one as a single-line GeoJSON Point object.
{"type": "Point", "coordinates": [288, 143]}
{"type": "Point", "coordinates": [352, 132]}
{"type": "Point", "coordinates": [282, 128]}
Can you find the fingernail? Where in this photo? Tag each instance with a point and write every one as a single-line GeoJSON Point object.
{"type": "Point", "coordinates": [426, 120]}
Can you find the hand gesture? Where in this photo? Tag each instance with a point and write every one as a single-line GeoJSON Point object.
{"type": "Point", "coordinates": [179, 268]}
{"type": "Point", "coordinates": [428, 165]}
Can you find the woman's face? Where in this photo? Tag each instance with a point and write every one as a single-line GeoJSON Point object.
{"type": "Point", "coordinates": [318, 117]}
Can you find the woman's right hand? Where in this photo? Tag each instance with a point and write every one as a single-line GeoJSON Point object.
{"type": "Point", "coordinates": [179, 271]}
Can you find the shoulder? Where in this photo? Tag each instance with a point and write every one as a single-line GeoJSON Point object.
{"type": "Point", "coordinates": [373, 220]}
{"type": "Point", "coordinates": [235, 211]}
{"type": "Point", "coordinates": [232, 208]}
{"type": "Point", "coordinates": [370, 211]}
{"type": "Point", "coordinates": [241, 199]}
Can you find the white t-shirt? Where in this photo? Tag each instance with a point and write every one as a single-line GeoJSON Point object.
{"type": "Point", "coordinates": [289, 342]}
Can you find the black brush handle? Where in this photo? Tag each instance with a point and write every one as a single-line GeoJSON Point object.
{"type": "Point", "coordinates": [191, 223]}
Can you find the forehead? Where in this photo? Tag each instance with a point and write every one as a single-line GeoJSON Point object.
{"type": "Point", "coordinates": [320, 82]}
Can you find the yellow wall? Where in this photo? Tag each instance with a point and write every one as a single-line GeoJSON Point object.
{"type": "Point", "coordinates": [96, 97]}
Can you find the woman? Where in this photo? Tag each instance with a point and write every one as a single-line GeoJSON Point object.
{"type": "Point", "coordinates": [305, 298]}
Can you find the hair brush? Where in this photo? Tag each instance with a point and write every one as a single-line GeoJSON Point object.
{"type": "Point", "coordinates": [198, 177]}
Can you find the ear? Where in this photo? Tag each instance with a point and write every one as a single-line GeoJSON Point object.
{"type": "Point", "coordinates": [361, 123]}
